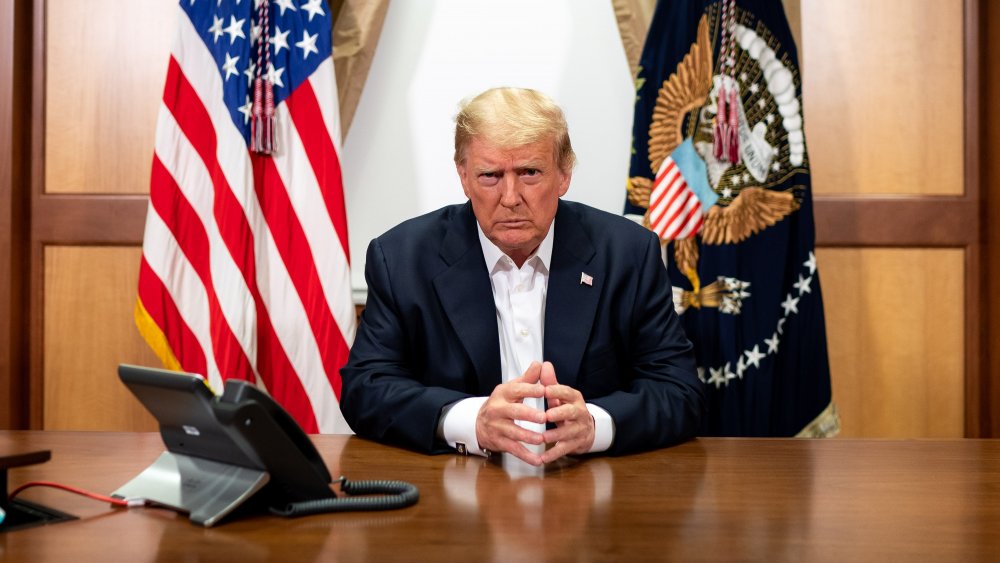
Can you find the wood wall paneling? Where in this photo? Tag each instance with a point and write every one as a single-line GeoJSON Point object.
{"type": "Point", "coordinates": [98, 86]}
{"type": "Point", "coordinates": [895, 327]}
{"type": "Point", "coordinates": [883, 95]}
{"type": "Point", "coordinates": [891, 98]}
{"type": "Point", "coordinates": [106, 63]}
{"type": "Point", "coordinates": [990, 151]}
{"type": "Point", "coordinates": [7, 273]}
{"type": "Point", "coordinates": [89, 330]}
{"type": "Point", "coordinates": [15, 103]}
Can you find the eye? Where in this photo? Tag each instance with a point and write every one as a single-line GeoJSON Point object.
{"type": "Point", "coordinates": [531, 175]}
{"type": "Point", "coordinates": [489, 178]}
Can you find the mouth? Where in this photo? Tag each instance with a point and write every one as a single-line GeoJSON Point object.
{"type": "Point", "coordinates": [513, 223]}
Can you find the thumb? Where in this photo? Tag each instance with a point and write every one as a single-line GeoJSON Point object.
{"type": "Point", "coordinates": [532, 374]}
{"type": "Point", "coordinates": [548, 374]}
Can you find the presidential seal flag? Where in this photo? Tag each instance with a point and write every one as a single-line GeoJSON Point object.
{"type": "Point", "coordinates": [719, 100]}
{"type": "Point", "coordinates": [245, 267]}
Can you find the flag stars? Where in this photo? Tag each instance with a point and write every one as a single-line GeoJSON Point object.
{"type": "Point", "coordinates": [280, 39]}
{"type": "Point", "coordinates": [308, 44]}
{"type": "Point", "coordinates": [255, 32]}
{"type": "Point", "coordinates": [235, 29]}
{"type": "Point", "coordinates": [803, 284]}
{"type": "Point", "coordinates": [727, 192]}
{"type": "Point", "coordinates": [230, 66]}
{"type": "Point", "coordinates": [285, 5]}
{"type": "Point", "coordinates": [754, 356]}
{"type": "Point", "coordinates": [790, 304]}
{"type": "Point", "coordinates": [729, 375]}
{"type": "Point", "coordinates": [313, 7]}
{"type": "Point", "coordinates": [274, 75]}
{"type": "Point", "coordinates": [811, 263]}
{"type": "Point", "coordinates": [216, 29]}
{"type": "Point", "coordinates": [717, 378]}
{"type": "Point", "coordinates": [754, 88]}
{"type": "Point", "coordinates": [245, 110]}
{"type": "Point", "coordinates": [772, 344]}
{"type": "Point", "coordinates": [251, 72]}
{"type": "Point", "coordinates": [776, 166]}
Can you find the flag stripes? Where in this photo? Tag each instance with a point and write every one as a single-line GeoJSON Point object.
{"type": "Point", "coordinates": [245, 270]}
{"type": "Point", "coordinates": [674, 210]}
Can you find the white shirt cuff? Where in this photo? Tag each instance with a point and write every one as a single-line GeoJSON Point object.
{"type": "Point", "coordinates": [604, 429]}
{"type": "Point", "coordinates": [460, 425]}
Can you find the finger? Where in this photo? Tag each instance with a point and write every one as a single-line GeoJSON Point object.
{"type": "Point", "coordinates": [547, 374]}
{"type": "Point", "coordinates": [568, 439]}
{"type": "Point", "coordinates": [557, 451]}
{"type": "Point", "coordinates": [563, 394]}
{"type": "Point", "coordinates": [567, 413]}
{"type": "Point", "coordinates": [502, 435]}
{"type": "Point", "coordinates": [505, 431]}
{"type": "Point", "coordinates": [518, 450]}
{"type": "Point", "coordinates": [521, 411]}
{"type": "Point", "coordinates": [500, 414]}
{"type": "Point", "coordinates": [548, 378]}
{"type": "Point", "coordinates": [515, 391]}
{"type": "Point", "coordinates": [532, 374]}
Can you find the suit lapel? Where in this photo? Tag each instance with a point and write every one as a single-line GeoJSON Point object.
{"type": "Point", "coordinates": [570, 303]}
{"type": "Point", "coordinates": [467, 298]}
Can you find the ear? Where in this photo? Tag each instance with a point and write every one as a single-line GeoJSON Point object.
{"type": "Point", "coordinates": [460, 168]}
{"type": "Point", "coordinates": [564, 183]}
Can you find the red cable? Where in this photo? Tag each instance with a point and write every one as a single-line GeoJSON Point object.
{"type": "Point", "coordinates": [88, 494]}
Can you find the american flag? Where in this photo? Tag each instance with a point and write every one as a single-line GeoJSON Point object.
{"type": "Point", "coordinates": [245, 270]}
{"type": "Point", "coordinates": [674, 210]}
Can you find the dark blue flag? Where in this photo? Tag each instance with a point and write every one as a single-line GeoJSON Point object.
{"type": "Point", "coordinates": [720, 172]}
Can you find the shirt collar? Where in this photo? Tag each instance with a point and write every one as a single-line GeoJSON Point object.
{"type": "Point", "coordinates": [494, 255]}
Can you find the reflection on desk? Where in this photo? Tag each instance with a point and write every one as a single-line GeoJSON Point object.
{"type": "Point", "coordinates": [709, 499]}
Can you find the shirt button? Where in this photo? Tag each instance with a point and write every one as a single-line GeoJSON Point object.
{"type": "Point", "coordinates": [524, 332]}
{"type": "Point", "coordinates": [519, 288]}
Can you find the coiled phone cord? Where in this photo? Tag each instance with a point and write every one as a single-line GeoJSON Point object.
{"type": "Point", "coordinates": [390, 496]}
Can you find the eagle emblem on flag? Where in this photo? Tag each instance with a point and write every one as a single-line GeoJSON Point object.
{"type": "Point", "coordinates": [737, 204]}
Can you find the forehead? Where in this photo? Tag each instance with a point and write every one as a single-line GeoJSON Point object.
{"type": "Point", "coordinates": [483, 151]}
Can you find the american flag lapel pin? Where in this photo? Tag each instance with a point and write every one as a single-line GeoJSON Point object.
{"type": "Point", "coordinates": [586, 279]}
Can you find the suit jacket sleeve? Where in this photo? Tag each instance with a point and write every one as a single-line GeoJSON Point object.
{"type": "Point", "coordinates": [660, 400]}
{"type": "Point", "coordinates": [384, 397]}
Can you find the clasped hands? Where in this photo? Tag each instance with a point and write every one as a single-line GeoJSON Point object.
{"type": "Point", "coordinates": [497, 431]}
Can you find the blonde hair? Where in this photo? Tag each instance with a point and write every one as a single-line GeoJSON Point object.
{"type": "Point", "coordinates": [513, 117]}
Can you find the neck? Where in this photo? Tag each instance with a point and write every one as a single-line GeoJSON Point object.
{"type": "Point", "coordinates": [519, 257]}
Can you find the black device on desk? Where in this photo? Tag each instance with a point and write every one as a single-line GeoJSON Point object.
{"type": "Point", "coordinates": [224, 450]}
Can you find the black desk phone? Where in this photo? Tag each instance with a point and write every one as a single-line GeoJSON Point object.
{"type": "Point", "coordinates": [225, 450]}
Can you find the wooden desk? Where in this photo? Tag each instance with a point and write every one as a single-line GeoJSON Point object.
{"type": "Point", "coordinates": [710, 499]}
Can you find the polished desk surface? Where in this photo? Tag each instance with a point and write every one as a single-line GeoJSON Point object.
{"type": "Point", "coordinates": [708, 499]}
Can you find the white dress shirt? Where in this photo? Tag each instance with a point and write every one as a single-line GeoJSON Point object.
{"type": "Point", "coordinates": [519, 295]}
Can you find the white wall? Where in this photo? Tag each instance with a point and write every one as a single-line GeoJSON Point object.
{"type": "Point", "coordinates": [397, 156]}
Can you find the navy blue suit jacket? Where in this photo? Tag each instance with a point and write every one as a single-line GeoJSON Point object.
{"type": "Point", "coordinates": [428, 335]}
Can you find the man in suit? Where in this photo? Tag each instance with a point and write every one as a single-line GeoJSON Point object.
{"type": "Point", "coordinates": [518, 322]}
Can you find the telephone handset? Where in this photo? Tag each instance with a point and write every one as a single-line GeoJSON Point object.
{"type": "Point", "coordinates": [224, 450]}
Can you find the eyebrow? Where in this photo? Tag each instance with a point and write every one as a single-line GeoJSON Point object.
{"type": "Point", "coordinates": [533, 164]}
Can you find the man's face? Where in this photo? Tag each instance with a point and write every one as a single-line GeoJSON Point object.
{"type": "Point", "coordinates": [514, 193]}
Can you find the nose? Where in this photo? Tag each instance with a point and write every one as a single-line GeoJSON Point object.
{"type": "Point", "coordinates": [510, 191]}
